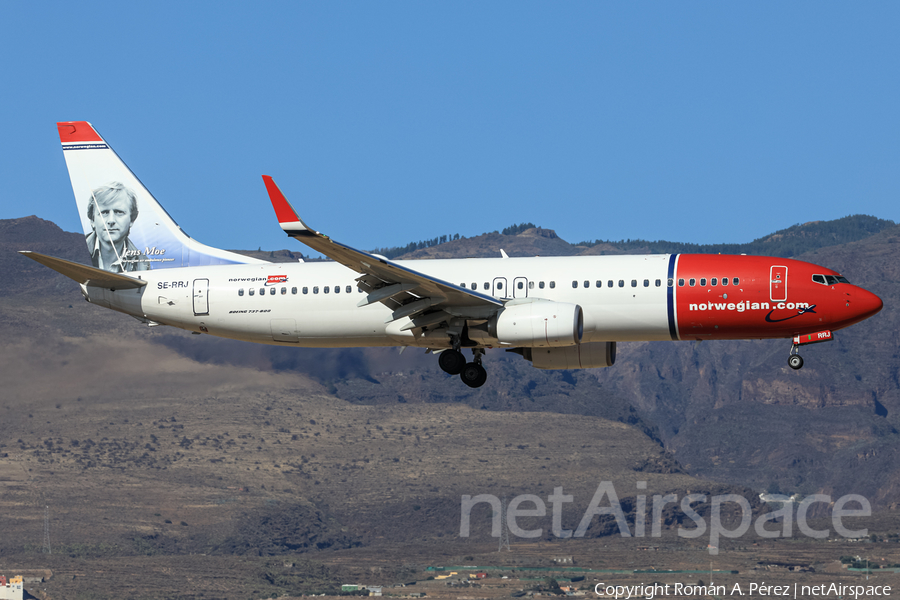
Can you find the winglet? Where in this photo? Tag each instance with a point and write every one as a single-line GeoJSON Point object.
{"type": "Point", "coordinates": [287, 217]}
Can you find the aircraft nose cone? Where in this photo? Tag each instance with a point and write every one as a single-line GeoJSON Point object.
{"type": "Point", "coordinates": [866, 303]}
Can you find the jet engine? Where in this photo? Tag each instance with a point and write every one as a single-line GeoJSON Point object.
{"type": "Point", "coordinates": [538, 324]}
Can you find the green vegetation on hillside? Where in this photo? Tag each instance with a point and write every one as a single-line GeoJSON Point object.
{"type": "Point", "coordinates": [395, 251]}
{"type": "Point", "coordinates": [517, 229]}
{"type": "Point", "coordinates": [792, 241]}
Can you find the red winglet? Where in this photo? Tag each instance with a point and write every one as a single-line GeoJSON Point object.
{"type": "Point", "coordinates": [282, 207]}
{"type": "Point", "coordinates": [77, 131]}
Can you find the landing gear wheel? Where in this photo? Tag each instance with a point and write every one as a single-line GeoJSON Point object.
{"type": "Point", "coordinates": [795, 361]}
{"type": "Point", "coordinates": [451, 361]}
{"type": "Point", "coordinates": [473, 375]}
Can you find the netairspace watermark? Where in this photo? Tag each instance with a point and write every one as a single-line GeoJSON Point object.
{"type": "Point", "coordinates": [751, 590]}
{"type": "Point", "coordinates": [606, 502]}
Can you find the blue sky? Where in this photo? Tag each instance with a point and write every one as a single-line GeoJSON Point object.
{"type": "Point", "coordinates": [390, 122]}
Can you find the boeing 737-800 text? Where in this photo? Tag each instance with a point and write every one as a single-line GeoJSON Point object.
{"type": "Point", "coordinates": [557, 312]}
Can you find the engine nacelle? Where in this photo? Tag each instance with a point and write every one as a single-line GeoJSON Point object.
{"type": "Point", "coordinates": [538, 324]}
{"type": "Point", "coordinates": [589, 355]}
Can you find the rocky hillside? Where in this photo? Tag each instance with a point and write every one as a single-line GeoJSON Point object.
{"type": "Point", "coordinates": [730, 411]}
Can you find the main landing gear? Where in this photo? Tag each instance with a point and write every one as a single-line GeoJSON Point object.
{"type": "Point", "coordinates": [453, 362]}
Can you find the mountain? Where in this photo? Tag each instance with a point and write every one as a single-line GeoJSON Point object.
{"type": "Point", "coordinates": [792, 241]}
{"type": "Point", "coordinates": [731, 411]}
{"type": "Point", "coordinates": [536, 241]}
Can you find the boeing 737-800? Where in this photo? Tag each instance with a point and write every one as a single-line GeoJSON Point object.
{"type": "Point", "coordinates": [557, 312]}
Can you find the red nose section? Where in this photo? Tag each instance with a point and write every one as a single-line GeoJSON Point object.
{"type": "Point", "coordinates": [866, 303]}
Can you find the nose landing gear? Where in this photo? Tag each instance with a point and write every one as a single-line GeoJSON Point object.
{"type": "Point", "coordinates": [795, 361]}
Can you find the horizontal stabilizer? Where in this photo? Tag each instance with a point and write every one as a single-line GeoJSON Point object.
{"type": "Point", "coordinates": [84, 274]}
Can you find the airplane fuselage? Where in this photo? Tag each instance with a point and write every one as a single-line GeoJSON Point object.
{"type": "Point", "coordinates": [557, 312]}
{"type": "Point", "coordinates": [623, 298]}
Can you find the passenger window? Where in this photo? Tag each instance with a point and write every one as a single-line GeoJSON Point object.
{"type": "Point", "coordinates": [735, 281]}
{"type": "Point", "coordinates": [271, 291]}
{"type": "Point", "coordinates": [337, 289]}
{"type": "Point", "coordinates": [462, 285]}
{"type": "Point", "coordinates": [541, 285]}
{"type": "Point", "coordinates": [262, 291]}
{"type": "Point", "coordinates": [305, 290]}
{"type": "Point", "coordinates": [587, 283]}
{"type": "Point", "coordinates": [552, 285]}
{"type": "Point", "coordinates": [692, 282]}
{"type": "Point", "coordinates": [252, 291]}
{"type": "Point", "coordinates": [326, 289]}
{"type": "Point", "coordinates": [724, 281]}
{"type": "Point", "coordinates": [521, 285]}
{"type": "Point", "coordinates": [598, 283]}
{"type": "Point", "coordinates": [646, 283]}
{"type": "Point", "coordinates": [714, 281]}
{"type": "Point", "coordinates": [621, 283]}
{"type": "Point", "coordinates": [487, 286]}
{"type": "Point", "coordinates": [659, 283]}
{"type": "Point", "coordinates": [294, 291]}
{"type": "Point", "coordinates": [670, 282]}
{"type": "Point", "coordinates": [283, 291]}
{"type": "Point", "coordinates": [349, 289]}
{"type": "Point", "coordinates": [609, 283]}
{"type": "Point", "coordinates": [634, 283]}
{"type": "Point", "coordinates": [475, 286]}
{"type": "Point", "coordinates": [680, 282]}
{"type": "Point", "coordinates": [819, 279]}
{"type": "Point", "coordinates": [315, 289]}
{"type": "Point", "coordinates": [530, 285]}
{"type": "Point", "coordinates": [241, 292]}
{"type": "Point", "coordinates": [499, 285]}
{"type": "Point", "coordinates": [703, 281]}
{"type": "Point", "coordinates": [574, 284]}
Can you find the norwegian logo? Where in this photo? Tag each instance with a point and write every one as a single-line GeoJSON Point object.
{"type": "Point", "coordinates": [276, 279]}
{"type": "Point", "coordinates": [801, 308]}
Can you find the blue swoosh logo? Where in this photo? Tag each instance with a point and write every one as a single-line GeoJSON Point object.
{"type": "Point", "coordinates": [802, 311]}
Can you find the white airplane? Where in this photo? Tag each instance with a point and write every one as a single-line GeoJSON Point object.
{"type": "Point", "coordinates": [557, 312]}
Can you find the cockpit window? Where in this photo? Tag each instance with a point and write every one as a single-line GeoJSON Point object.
{"type": "Point", "coordinates": [842, 279]}
{"type": "Point", "coordinates": [819, 279]}
{"type": "Point", "coordinates": [831, 279]}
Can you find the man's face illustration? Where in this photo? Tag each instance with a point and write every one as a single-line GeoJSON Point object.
{"type": "Point", "coordinates": [114, 216]}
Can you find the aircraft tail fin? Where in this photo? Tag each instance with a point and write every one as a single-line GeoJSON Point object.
{"type": "Point", "coordinates": [126, 229]}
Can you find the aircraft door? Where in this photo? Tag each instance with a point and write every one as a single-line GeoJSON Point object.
{"type": "Point", "coordinates": [498, 289]}
{"type": "Point", "coordinates": [778, 284]}
{"type": "Point", "coordinates": [201, 297]}
{"type": "Point", "coordinates": [520, 287]}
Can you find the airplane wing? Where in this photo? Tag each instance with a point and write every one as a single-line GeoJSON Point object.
{"type": "Point", "coordinates": [424, 299]}
{"type": "Point", "coordinates": [85, 274]}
